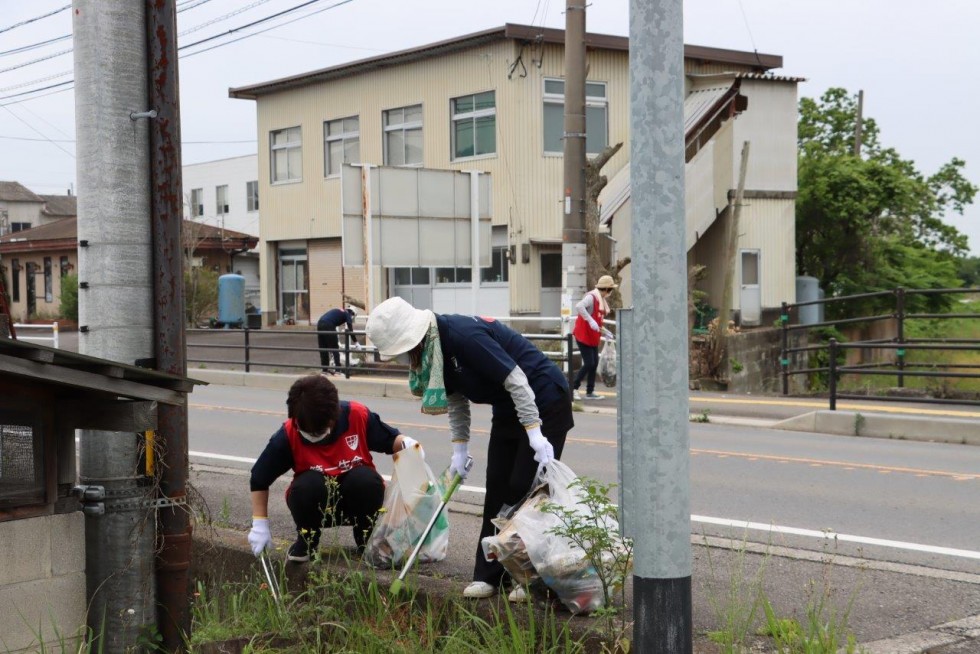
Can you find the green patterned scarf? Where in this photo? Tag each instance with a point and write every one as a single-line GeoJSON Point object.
{"type": "Point", "coordinates": [427, 382]}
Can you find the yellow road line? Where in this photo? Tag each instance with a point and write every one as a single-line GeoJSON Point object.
{"type": "Point", "coordinates": [957, 476]}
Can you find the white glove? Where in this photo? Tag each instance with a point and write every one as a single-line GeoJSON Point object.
{"type": "Point", "coordinates": [544, 453]}
{"type": "Point", "coordinates": [260, 537]}
{"type": "Point", "coordinates": [355, 346]}
{"type": "Point", "coordinates": [594, 325]}
{"type": "Point", "coordinates": [408, 441]}
{"type": "Point", "coordinates": [608, 334]}
{"type": "Point", "coordinates": [461, 452]}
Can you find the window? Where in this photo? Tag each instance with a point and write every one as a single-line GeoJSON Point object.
{"type": "Point", "coordinates": [412, 276]}
{"type": "Point", "coordinates": [341, 144]}
{"type": "Point", "coordinates": [48, 281]}
{"type": "Point", "coordinates": [403, 136]}
{"type": "Point", "coordinates": [474, 125]}
{"type": "Point", "coordinates": [252, 196]}
{"type": "Point", "coordinates": [65, 266]}
{"type": "Point", "coordinates": [22, 475]}
{"type": "Point", "coordinates": [294, 285]}
{"type": "Point", "coordinates": [221, 199]}
{"type": "Point", "coordinates": [498, 271]}
{"type": "Point", "coordinates": [287, 155]}
{"type": "Point", "coordinates": [551, 270]}
{"type": "Point", "coordinates": [197, 202]}
{"type": "Point", "coordinates": [19, 227]}
{"type": "Point", "coordinates": [15, 279]}
{"type": "Point", "coordinates": [454, 275]}
{"type": "Point", "coordinates": [596, 104]}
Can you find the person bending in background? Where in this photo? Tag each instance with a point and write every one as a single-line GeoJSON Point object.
{"type": "Point", "coordinates": [327, 444]}
{"type": "Point", "coordinates": [588, 332]}
{"type": "Point", "coordinates": [455, 360]}
{"type": "Point", "coordinates": [327, 338]}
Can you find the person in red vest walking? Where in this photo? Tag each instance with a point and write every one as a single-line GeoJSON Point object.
{"type": "Point", "coordinates": [588, 332]}
{"type": "Point", "coordinates": [327, 444]}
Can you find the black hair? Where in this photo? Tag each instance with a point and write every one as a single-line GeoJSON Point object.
{"type": "Point", "coordinates": [314, 403]}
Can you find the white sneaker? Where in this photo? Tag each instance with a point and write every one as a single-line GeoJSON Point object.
{"type": "Point", "coordinates": [577, 396]}
{"type": "Point", "coordinates": [517, 595]}
{"type": "Point", "coordinates": [479, 590]}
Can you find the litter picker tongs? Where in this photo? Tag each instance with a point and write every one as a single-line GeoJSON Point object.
{"type": "Point", "coordinates": [271, 578]}
{"type": "Point", "coordinates": [396, 585]}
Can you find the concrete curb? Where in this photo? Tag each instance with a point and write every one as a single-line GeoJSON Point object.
{"type": "Point", "coordinates": [361, 386]}
{"type": "Point", "coordinates": [961, 632]}
{"type": "Point", "coordinates": [876, 425]}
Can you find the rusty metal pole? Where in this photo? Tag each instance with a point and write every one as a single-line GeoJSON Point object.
{"type": "Point", "coordinates": [174, 532]}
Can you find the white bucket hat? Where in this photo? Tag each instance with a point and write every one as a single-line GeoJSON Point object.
{"type": "Point", "coordinates": [395, 327]}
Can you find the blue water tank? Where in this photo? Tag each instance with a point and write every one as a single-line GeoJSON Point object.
{"type": "Point", "coordinates": [231, 300]}
{"type": "Point", "coordinates": [808, 290]}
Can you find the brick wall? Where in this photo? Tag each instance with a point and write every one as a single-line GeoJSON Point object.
{"type": "Point", "coordinates": [42, 583]}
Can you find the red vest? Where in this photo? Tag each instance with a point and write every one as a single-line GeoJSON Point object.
{"type": "Point", "coordinates": [348, 451]}
{"type": "Point", "coordinates": [583, 332]}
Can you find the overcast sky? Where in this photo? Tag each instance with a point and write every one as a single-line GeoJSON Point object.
{"type": "Point", "coordinates": [915, 61]}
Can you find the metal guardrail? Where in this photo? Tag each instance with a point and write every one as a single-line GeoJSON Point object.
{"type": "Point", "coordinates": [900, 368]}
{"type": "Point", "coordinates": [53, 328]}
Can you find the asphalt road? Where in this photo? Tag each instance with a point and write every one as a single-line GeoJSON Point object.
{"type": "Point", "coordinates": [887, 500]}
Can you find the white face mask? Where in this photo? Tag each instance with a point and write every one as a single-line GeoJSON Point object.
{"type": "Point", "coordinates": [314, 438]}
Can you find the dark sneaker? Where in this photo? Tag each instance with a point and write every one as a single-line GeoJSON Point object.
{"type": "Point", "coordinates": [304, 546]}
{"type": "Point", "coordinates": [592, 396]}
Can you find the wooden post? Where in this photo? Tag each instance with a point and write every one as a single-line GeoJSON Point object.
{"type": "Point", "coordinates": [731, 259]}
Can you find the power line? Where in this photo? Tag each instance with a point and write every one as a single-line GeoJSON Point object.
{"type": "Point", "coordinates": [337, 4]}
{"type": "Point", "coordinates": [35, 61]}
{"type": "Point", "coordinates": [224, 17]}
{"type": "Point", "coordinates": [11, 112]}
{"type": "Point", "coordinates": [35, 19]}
{"type": "Point", "coordinates": [34, 46]}
{"type": "Point", "coordinates": [35, 81]}
{"type": "Point", "coordinates": [190, 45]}
{"type": "Point", "coordinates": [43, 95]}
{"type": "Point", "coordinates": [28, 138]}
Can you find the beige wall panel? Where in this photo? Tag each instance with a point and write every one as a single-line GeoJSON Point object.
{"type": "Point", "coordinates": [325, 273]}
{"type": "Point", "coordinates": [769, 124]}
{"type": "Point", "coordinates": [696, 67]}
{"type": "Point", "coordinates": [769, 225]}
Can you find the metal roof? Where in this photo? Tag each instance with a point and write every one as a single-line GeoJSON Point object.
{"type": "Point", "coordinates": [73, 370]}
{"type": "Point", "coordinates": [510, 31]}
{"type": "Point", "coordinates": [703, 100]}
{"type": "Point", "coordinates": [60, 205]}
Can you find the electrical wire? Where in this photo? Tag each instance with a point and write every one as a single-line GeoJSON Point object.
{"type": "Point", "coordinates": [28, 138]}
{"type": "Point", "coordinates": [35, 61]}
{"type": "Point", "coordinates": [337, 4]}
{"type": "Point", "coordinates": [34, 46]}
{"type": "Point", "coordinates": [55, 144]}
{"type": "Point", "coordinates": [253, 23]}
{"type": "Point", "coordinates": [224, 17]}
{"type": "Point", "coordinates": [34, 20]}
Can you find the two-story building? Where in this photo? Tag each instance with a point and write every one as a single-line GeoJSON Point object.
{"type": "Point", "coordinates": [491, 101]}
{"type": "Point", "coordinates": [224, 195]}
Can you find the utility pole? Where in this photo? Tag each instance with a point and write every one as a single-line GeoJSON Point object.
{"type": "Point", "coordinates": [573, 254]}
{"type": "Point", "coordinates": [858, 124]}
{"type": "Point", "coordinates": [115, 306]}
{"type": "Point", "coordinates": [731, 257]}
{"type": "Point", "coordinates": [173, 559]}
{"type": "Point", "coordinates": [654, 439]}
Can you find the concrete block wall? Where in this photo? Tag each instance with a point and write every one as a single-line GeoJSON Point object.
{"type": "Point", "coordinates": [758, 353]}
{"type": "Point", "coordinates": [42, 583]}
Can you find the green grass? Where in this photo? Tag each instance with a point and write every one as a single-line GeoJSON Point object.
{"type": "Point", "coordinates": [951, 328]}
{"type": "Point", "coordinates": [346, 609]}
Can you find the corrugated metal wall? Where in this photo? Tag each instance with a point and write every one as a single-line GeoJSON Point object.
{"type": "Point", "coordinates": [770, 226]}
{"type": "Point", "coordinates": [527, 184]}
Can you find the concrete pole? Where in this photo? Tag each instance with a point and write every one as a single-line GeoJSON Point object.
{"type": "Point", "coordinates": [115, 303]}
{"type": "Point", "coordinates": [474, 241]}
{"type": "Point", "coordinates": [655, 372]}
{"type": "Point", "coordinates": [573, 254]}
{"type": "Point", "coordinates": [174, 552]}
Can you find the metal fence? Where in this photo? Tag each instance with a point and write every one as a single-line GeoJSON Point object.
{"type": "Point", "coordinates": [899, 366]}
{"type": "Point", "coordinates": [38, 332]}
{"type": "Point", "coordinates": [273, 349]}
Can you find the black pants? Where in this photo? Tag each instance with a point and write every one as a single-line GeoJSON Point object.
{"type": "Point", "coordinates": [354, 498]}
{"type": "Point", "coordinates": [327, 340]}
{"type": "Point", "coordinates": [511, 469]}
{"type": "Point", "coordinates": [590, 363]}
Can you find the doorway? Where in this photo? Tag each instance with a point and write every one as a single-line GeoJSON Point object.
{"type": "Point", "coordinates": [750, 297]}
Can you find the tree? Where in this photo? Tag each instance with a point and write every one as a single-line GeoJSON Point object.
{"type": "Point", "coordinates": [69, 297]}
{"type": "Point", "coordinates": [871, 222]}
